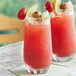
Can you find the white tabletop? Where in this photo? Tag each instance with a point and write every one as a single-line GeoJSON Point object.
{"type": "Point", "coordinates": [11, 57]}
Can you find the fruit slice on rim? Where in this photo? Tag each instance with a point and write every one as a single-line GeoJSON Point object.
{"type": "Point", "coordinates": [31, 10]}
{"type": "Point", "coordinates": [49, 7]}
{"type": "Point", "coordinates": [22, 13]}
{"type": "Point", "coordinates": [56, 4]}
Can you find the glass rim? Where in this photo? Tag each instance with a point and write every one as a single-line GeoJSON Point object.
{"type": "Point", "coordinates": [65, 13]}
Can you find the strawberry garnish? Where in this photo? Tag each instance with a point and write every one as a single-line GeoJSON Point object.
{"type": "Point", "coordinates": [22, 14]}
{"type": "Point", "coordinates": [49, 6]}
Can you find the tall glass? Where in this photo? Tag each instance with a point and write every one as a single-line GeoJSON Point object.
{"type": "Point", "coordinates": [37, 46]}
{"type": "Point", "coordinates": [63, 36]}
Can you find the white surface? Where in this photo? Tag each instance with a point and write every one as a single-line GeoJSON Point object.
{"type": "Point", "coordinates": [5, 73]}
{"type": "Point", "coordinates": [56, 69]}
{"type": "Point", "coordinates": [11, 57]}
{"type": "Point", "coordinates": [53, 71]}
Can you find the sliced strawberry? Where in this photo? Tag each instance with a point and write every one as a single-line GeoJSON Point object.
{"type": "Point", "coordinates": [63, 6]}
{"type": "Point", "coordinates": [36, 12]}
{"type": "Point", "coordinates": [49, 6]}
{"type": "Point", "coordinates": [22, 14]}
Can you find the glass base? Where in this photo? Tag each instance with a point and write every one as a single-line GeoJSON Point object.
{"type": "Point", "coordinates": [61, 59]}
{"type": "Point", "coordinates": [36, 71]}
{"type": "Point", "coordinates": [22, 71]}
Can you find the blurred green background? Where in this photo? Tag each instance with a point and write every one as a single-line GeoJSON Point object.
{"type": "Point", "coordinates": [11, 7]}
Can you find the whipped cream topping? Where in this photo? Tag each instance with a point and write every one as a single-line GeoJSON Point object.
{"type": "Point", "coordinates": [69, 10]}
{"type": "Point", "coordinates": [44, 19]}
